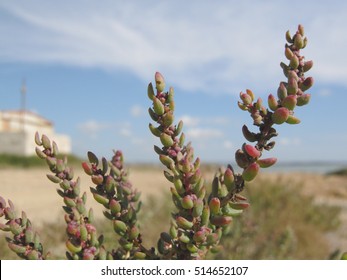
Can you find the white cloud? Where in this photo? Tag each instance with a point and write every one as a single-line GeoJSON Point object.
{"type": "Point", "coordinates": [137, 111]}
{"type": "Point", "coordinates": [203, 134]}
{"type": "Point", "coordinates": [125, 132]}
{"type": "Point", "coordinates": [215, 47]}
{"type": "Point", "coordinates": [93, 127]}
{"type": "Point", "coordinates": [325, 92]}
{"type": "Point", "coordinates": [190, 120]}
{"type": "Point", "coordinates": [286, 141]}
{"type": "Point", "coordinates": [228, 145]}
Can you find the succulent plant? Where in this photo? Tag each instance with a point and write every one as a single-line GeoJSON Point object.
{"type": "Point", "coordinates": [201, 217]}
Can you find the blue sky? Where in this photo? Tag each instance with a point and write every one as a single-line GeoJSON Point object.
{"type": "Point", "coordinates": [87, 65]}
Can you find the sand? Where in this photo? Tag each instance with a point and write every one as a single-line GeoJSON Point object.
{"type": "Point", "coordinates": [30, 190]}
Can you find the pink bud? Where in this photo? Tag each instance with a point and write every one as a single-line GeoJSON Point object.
{"type": "Point", "coordinates": [303, 99]}
{"type": "Point", "coordinates": [307, 65]}
{"type": "Point", "coordinates": [294, 62]}
{"type": "Point", "coordinates": [282, 91]}
{"type": "Point", "coordinates": [250, 172]}
{"type": "Point", "coordinates": [308, 82]}
{"type": "Point", "coordinates": [280, 115]}
{"type": "Point", "coordinates": [97, 179]}
{"type": "Point", "coordinates": [288, 53]}
{"type": "Point", "coordinates": [87, 169]}
{"type": "Point", "coordinates": [199, 236]}
{"type": "Point", "coordinates": [160, 82]}
{"type": "Point", "coordinates": [298, 41]}
{"type": "Point", "coordinates": [267, 162]}
{"type": "Point", "coordinates": [289, 102]}
{"type": "Point", "coordinates": [228, 178]}
{"type": "Point", "coordinates": [250, 93]}
{"type": "Point", "coordinates": [272, 102]}
{"type": "Point", "coordinates": [184, 223]}
{"type": "Point", "coordinates": [292, 86]}
{"type": "Point", "coordinates": [259, 104]}
{"type": "Point", "coordinates": [221, 220]}
{"type": "Point", "coordinates": [214, 205]}
{"type": "Point", "coordinates": [251, 151]}
{"type": "Point", "coordinates": [187, 202]}
{"type": "Point", "coordinates": [293, 120]}
{"type": "Point", "coordinates": [239, 205]}
{"type": "Point", "coordinates": [246, 99]}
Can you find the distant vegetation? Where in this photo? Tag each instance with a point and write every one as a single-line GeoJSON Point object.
{"type": "Point", "coordinates": [7, 160]}
{"type": "Point", "coordinates": [340, 172]}
{"type": "Point", "coordinates": [280, 224]}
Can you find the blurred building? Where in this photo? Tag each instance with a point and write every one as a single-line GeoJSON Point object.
{"type": "Point", "coordinates": [17, 133]}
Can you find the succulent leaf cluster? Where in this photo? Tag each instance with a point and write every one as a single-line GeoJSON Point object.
{"type": "Point", "coordinates": [26, 241]}
{"type": "Point", "coordinates": [121, 201]}
{"type": "Point", "coordinates": [198, 224]}
{"type": "Point", "coordinates": [83, 241]}
{"type": "Point", "coordinates": [290, 94]}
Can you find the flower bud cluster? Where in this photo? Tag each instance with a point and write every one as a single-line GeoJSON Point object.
{"type": "Point", "coordinates": [281, 109]}
{"type": "Point", "coordinates": [83, 241]}
{"type": "Point", "coordinates": [25, 242]}
{"type": "Point", "coordinates": [114, 191]}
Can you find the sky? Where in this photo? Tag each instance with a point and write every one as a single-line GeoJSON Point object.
{"type": "Point", "coordinates": [87, 65]}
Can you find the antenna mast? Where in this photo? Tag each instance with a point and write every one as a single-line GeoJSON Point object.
{"type": "Point", "coordinates": [23, 91]}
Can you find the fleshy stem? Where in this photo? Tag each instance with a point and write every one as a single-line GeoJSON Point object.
{"type": "Point", "coordinates": [25, 242]}
{"type": "Point", "coordinates": [114, 191]}
{"type": "Point", "coordinates": [83, 241]}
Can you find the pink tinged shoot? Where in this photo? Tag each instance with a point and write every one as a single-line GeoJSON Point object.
{"type": "Point", "coordinates": [221, 220]}
{"type": "Point", "coordinates": [158, 107]}
{"type": "Point", "coordinates": [272, 101]}
{"type": "Point", "coordinates": [267, 162]}
{"type": "Point", "coordinates": [282, 91]}
{"type": "Point", "coordinates": [293, 120]}
{"type": "Point", "coordinates": [214, 205]}
{"type": "Point", "coordinates": [289, 102]}
{"type": "Point", "coordinates": [239, 205]}
{"type": "Point", "coordinates": [246, 99]}
{"type": "Point", "coordinates": [307, 65]}
{"type": "Point", "coordinates": [280, 115]}
{"type": "Point", "coordinates": [250, 172]}
{"type": "Point", "coordinates": [87, 168]}
{"type": "Point", "coordinates": [228, 177]}
{"type": "Point", "coordinates": [251, 151]}
{"type": "Point", "coordinates": [303, 99]}
{"type": "Point", "coordinates": [159, 81]}
{"type": "Point", "coordinates": [308, 83]}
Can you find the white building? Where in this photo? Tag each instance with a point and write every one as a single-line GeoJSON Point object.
{"type": "Point", "coordinates": [17, 133]}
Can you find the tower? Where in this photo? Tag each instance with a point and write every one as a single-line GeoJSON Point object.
{"type": "Point", "coordinates": [23, 91]}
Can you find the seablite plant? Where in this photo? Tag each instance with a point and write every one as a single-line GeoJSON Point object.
{"type": "Point", "coordinates": [202, 214]}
